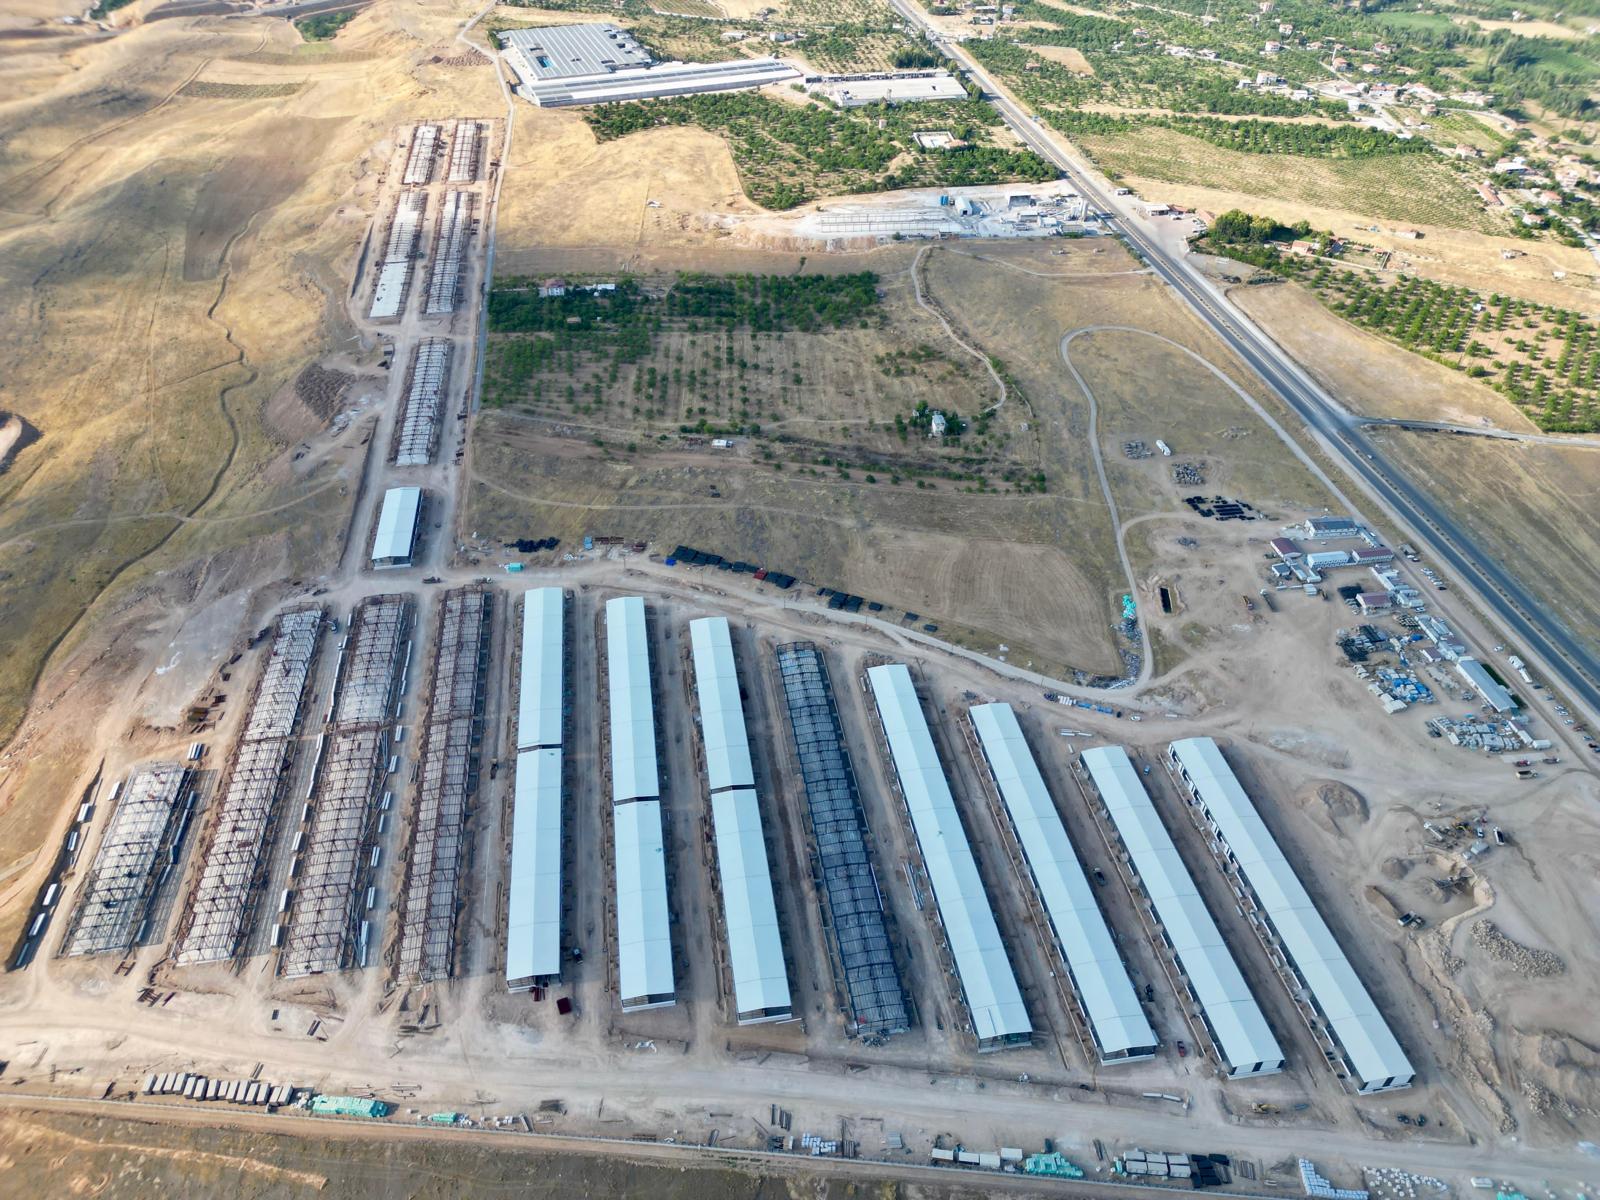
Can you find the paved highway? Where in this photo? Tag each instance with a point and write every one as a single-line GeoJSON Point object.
{"type": "Point", "coordinates": [1564, 659]}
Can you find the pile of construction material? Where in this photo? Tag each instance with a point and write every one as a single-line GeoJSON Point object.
{"type": "Point", "coordinates": [231, 1091]}
{"type": "Point", "coordinates": [1320, 1188]}
{"type": "Point", "coordinates": [1155, 1163]}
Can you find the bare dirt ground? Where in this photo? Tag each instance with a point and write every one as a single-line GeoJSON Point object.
{"type": "Point", "coordinates": [1526, 501]}
{"type": "Point", "coordinates": [250, 290]}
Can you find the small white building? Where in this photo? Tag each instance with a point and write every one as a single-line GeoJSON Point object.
{"type": "Point", "coordinates": [396, 538]}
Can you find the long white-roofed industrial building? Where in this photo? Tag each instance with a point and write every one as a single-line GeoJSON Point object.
{"type": "Point", "coordinates": [749, 910]}
{"type": "Point", "coordinates": [1104, 992]}
{"type": "Point", "coordinates": [138, 850]}
{"type": "Point", "coordinates": [1346, 1020]}
{"type": "Point", "coordinates": [561, 65]}
{"type": "Point", "coordinates": [857, 925]}
{"type": "Point", "coordinates": [999, 1016]}
{"type": "Point", "coordinates": [645, 977]}
{"type": "Point", "coordinates": [533, 891]}
{"type": "Point", "coordinates": [1232, 1019]}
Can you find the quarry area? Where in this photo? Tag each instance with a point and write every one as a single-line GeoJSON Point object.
{"type": "Point", "coordinates": [532, 668]}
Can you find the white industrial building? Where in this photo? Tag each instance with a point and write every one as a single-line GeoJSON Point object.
{"type": "Point", "coordinates": [563, 65]}
{"type": "Point", "coordinates": [749, 911]}
{"type": "Point", "coordinates": [533, 891]}
{"type": "Point", "coordinates": [1494, 694]}
{"type": "Point", "coordinates": [1353, 1028]}
{"type": "Point", "coordinates": [1116, 1021]}
{"type": "Point", "coordinates": [999, 1017]}
{"type": "Point", "coordinates": [886, 87]}
{"type": "Point", "coordinates": [395, 541]}
{"type": "Point", "coordinates": [1232, 1018]}
{"type": "Point", "coordinates": [644, 924]}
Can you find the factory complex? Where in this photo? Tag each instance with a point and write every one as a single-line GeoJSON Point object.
{"type": "Point", "coordinates": [560, 66]}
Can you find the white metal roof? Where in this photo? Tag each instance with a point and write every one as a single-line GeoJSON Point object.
{"type": "Point", "coordinates": [633, 722]}
{"type": "Point", "coordinates": [644, 931]}
{"type": "Point", "coordinates": [1373, 1052]}
{"type": "Point", "coordinates": [1238, 1027]}
{"type": "Point", "coordinates": [540, 694]}
{"type": "Point", "coordinates": [1098, 973]}
{"type": "Point", "coordinates": [533, 895]}
{"type": "Point", "coordinates": [397, 524]}
{"type": "Point", "coordinates": [721, 711]}
{"type": "Point", "coordinates": [1478, 676]}
{"type": "Point", "coordinates": [755, 943]}
{"type": "Point", "coordinates": [986, 977]}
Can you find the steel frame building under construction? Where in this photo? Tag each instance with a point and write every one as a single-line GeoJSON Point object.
{"type": "Point", "coordinates": [137, 852]}
{"type": "Point", "coordinates": [852, 904]}
{"type": "Point", "coordinates": [416, 434]}
{"type": "Point", "coordinates": [248, 805]}
{"type": "Point", "coordinates": [447, 779]}
{"type": "Point", "coordinates": [347, 804]}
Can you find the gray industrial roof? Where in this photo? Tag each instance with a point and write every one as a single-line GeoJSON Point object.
{"type": "Point", "coordinates": [721, 710]}
{"type": "Point", "coordinates": [540, 696]}
{"type": "Point", "coordinates": [1238, 1028]}
{"type": "Point", "coordinates": [644, 926]}
{"type": "Point", "coordinates": [397, 525]}
{"type": "Point", "coordinates": [1369, 1046]}
{"type": "Point", "coordinates": [666, 79]}
{"type": "Point", "coordinates": [533, 893]}
{"type": "Point", "coordinates": [563, 51]}
{"type": "Point", "coordinates": [995, 1001]}
{"type": "Point", "coordinates": [1475, 673]}
{"type": "Point", "coordinates": [1117, 1021]}
{"type": "Point", "coordinates": [633, 721]}
{"type": "Point", "coordinates": [755, 943]}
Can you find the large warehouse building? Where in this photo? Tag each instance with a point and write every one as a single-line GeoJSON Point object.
{"type": "Point", "coordinates": [1233, 1020]}
{"type": "Point", "coordinates": [533, 893]}
{"type": "Point", "coordinates": [999, 1017]}
{"type": "Point", "coordinates": [749, 912]}
{"type": "Point", "coordinates": [644, 924]}
{"type": "Point", "coordinates": [563, 65]}
{"type": "Point", "coordinates": [1354, 1029]}
{"type": "Point", "coordinates": [1084, 942]}
{"type": "Point", "coordinates": [395, 540]}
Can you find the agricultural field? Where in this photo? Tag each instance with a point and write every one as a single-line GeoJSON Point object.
{"type": "Point", "coordinates": [1545, 360]}
{"type": "Point", "coordinates": [1410, 188]}
{"type": "Point", "coordinates": [789, 153]}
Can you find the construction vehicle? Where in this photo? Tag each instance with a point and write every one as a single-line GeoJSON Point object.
{"type": "Point", "coordinates": [1262, 1109]}
{"type": "Point", "coordinates": [1249, 604]}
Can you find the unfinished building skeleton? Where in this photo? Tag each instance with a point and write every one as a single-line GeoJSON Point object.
{"type": "Point", "coordinates": [447, 779]}
{"type": "Point", "coordinates": [449, 252]}
{"type": "Point", "coordinates": [416, 435]}
{"type": "Point", "coordinates": [853, 912]}
{"type": "Point", "coordinates": [137, 852]}
{"type": "Point", "coordinates": [335, 850]}
{"type": "Point", "coordinates": [248, 807]}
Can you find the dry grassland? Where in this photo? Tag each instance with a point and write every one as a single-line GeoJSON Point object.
{"type": "Point", "coordinates": [1072, 60]}
{"type": "Point", "coordinates": [168, 264]}
{"type": "Point", "coordinates": [1529, 507]}
{"type": "Point", "coordinates": [1413, 189]}
{"type": "Point", "coordinates": [1527, 504]}
{"type": "Point", "coordinates": [49, 1153]}
{"type": "Point", "coordinates": [1373, 376]}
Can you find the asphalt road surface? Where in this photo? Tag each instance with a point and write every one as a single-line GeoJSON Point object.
{"type": "Point", "coordinates": [1564, 658]}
